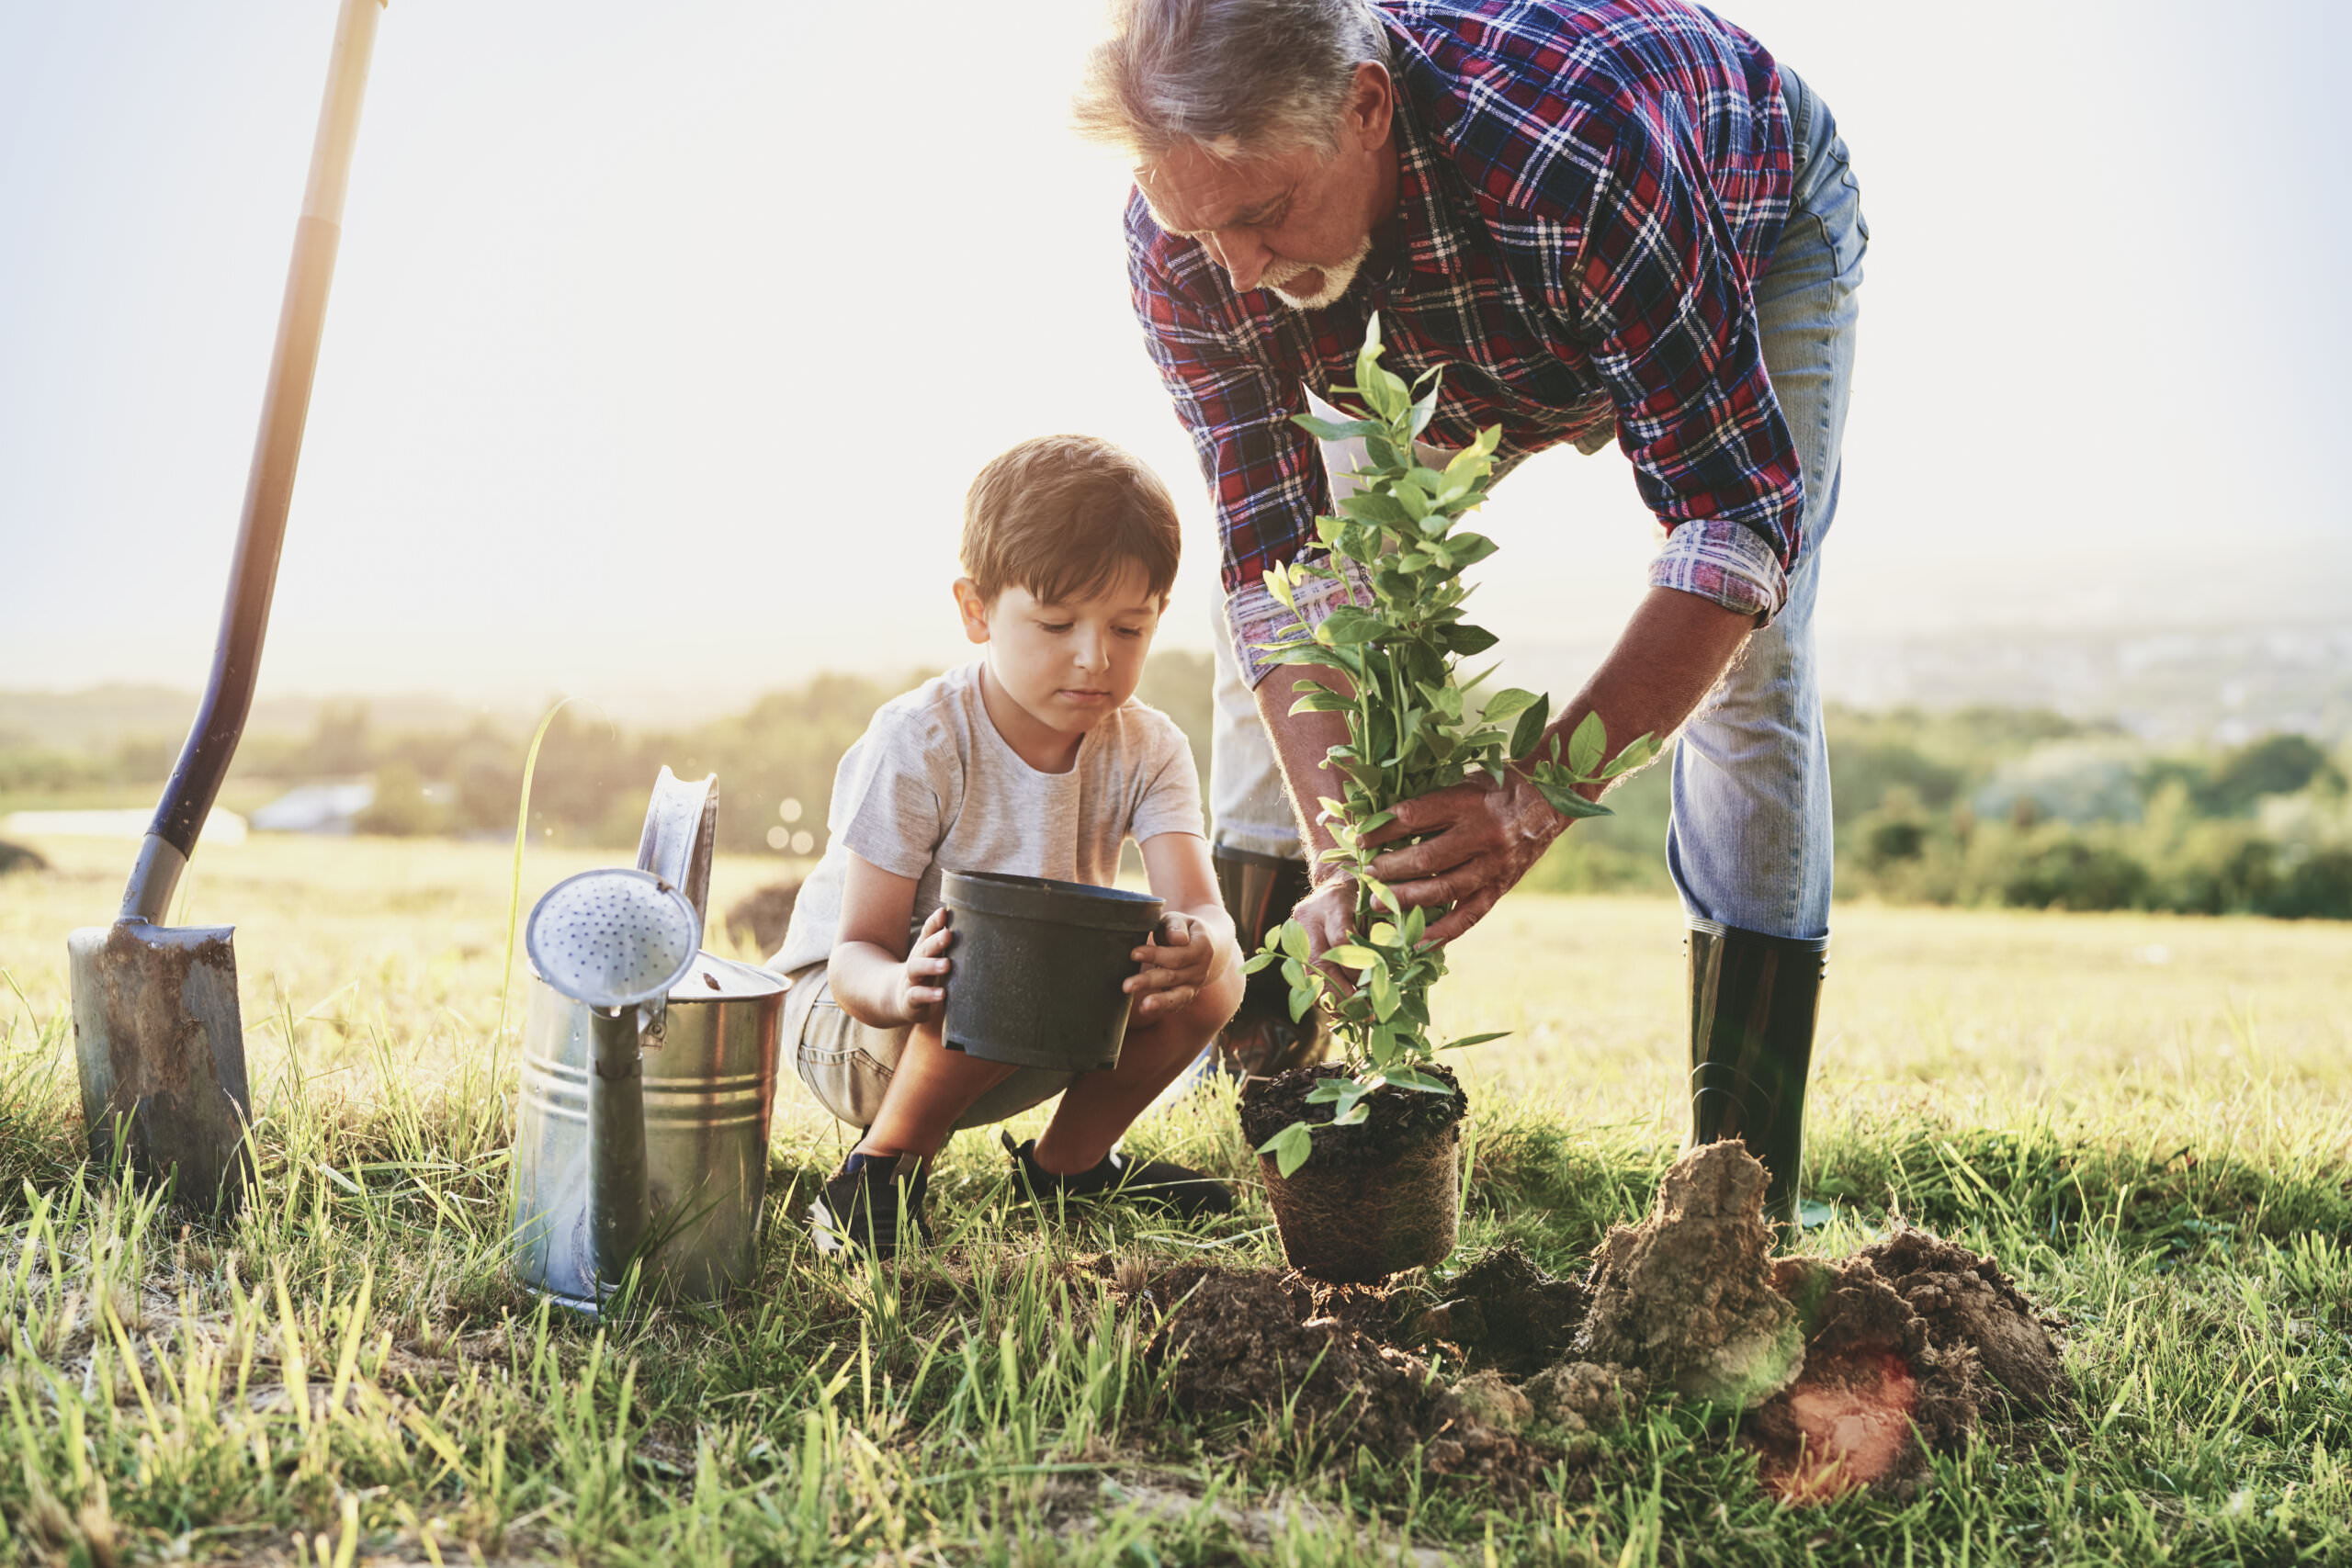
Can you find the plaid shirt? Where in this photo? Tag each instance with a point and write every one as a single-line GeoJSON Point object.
{"type": "Point", "coordinates": [1586, 189]}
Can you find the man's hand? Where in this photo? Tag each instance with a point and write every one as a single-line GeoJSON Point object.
{"type": "Point", "coordinates": [1176, 966]}
{"type": "Point", "coordinates": [924, 994]}
{"type": "Point", "coordinates": [1482, 838]}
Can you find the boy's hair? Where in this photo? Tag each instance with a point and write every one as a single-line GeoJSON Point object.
{"type": "Point", "coordinates": [1060, 515]}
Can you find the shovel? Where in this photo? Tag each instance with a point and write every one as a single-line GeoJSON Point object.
{"type": "Point", "coordinates": [156, 1034]}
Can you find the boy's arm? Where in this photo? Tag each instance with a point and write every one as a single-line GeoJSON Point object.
{"type": "Point", "coordinates": [871, 974]}
{"type": "Point", "coordinates": [1194, 953]}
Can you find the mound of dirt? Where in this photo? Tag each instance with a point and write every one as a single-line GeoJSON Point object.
{"type": "Point", "coordinates": [1687, 1294]}
{"type": "Point", "coordinates": [1236, 1342]}
{"type": "Point", "coordinates": [1966, 1299]}
{"type": "Point", "coordinates": [1876, 1394]}
{"type": "Point", "coordinates": [1849, 1372]}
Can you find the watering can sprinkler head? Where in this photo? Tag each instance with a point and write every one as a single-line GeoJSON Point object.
{"type": "Point", "coordinates": [613, 938]}
{"type": "Point", "coordinates": [615, 941]}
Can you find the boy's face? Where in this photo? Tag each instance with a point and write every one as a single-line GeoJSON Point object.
{"type": "Point", "coordinates": [1066, 666]}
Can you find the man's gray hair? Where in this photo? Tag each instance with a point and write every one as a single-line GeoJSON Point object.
{"type": "Point", "coordinates": [1242, 78]}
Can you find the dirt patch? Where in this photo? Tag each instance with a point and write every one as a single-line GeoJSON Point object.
{"type": "Point", "coordinates": [1687, 1294]}
{"type": "Point", "coordinates": [1966, 1301]}
{"type": "Point", "coordinates": [1506, 1311]}
{"type": "Point", "coordinates": [1852, 1371]}
{"type": "Point", "coordinates": [1234, 1343]}
{"type": "Point", "coordinates": [1846, 1373]}
{"type": "Point", "coordinates": [1876, 1395]}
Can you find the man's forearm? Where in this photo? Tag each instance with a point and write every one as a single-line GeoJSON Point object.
{"type": "Point", "coordinates": [1673, 650]}
{"type": "Point", "coordinates": [1302, 743]}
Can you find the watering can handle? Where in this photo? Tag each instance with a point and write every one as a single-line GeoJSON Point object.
{"type": "Point", "coordinates": [681, 832]}
{"type": "Point", "coordinates": [269, 487]}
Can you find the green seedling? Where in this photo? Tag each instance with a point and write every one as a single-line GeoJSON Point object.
{"type": "Point", "coordinates": [1413, 727]}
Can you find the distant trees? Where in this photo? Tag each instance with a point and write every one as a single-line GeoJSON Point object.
{"type": "Point", "coordinates": [1983, 806]}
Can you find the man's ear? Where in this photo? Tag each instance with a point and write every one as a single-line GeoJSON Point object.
{"type": "Point", "coordinates": [973, 608]}
{"type": "Point", "coordinates": [1372, 101]}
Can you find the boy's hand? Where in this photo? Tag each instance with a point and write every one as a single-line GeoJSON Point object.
{"type": "Point", "coordinates": [1176, 964]}
{"type": "Point", "coordinates": [925, 996]}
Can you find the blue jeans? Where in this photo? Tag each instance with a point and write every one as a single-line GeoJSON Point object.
{"type": "Point", "coordinates": [1750, 843]}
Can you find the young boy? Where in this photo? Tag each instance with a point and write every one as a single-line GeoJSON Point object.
{"type": "Point", "coordinates": [1034, 759]}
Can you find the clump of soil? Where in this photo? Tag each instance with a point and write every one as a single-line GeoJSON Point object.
{"type": "Point", "coordinates": [1506, 1312]}
{"type": "Point", "coordinates": [1236, 1342]}
{"type": "Point", "coordinates": [1871, 1375]}
{"type": "Point", "coordinates": [1966, 1299]}
{"type": "Point", "coordinates": [1687, 1294]}
{"type": "Point", "coordinates": [1397, 1118]}
{"type": "Point", "coordinates": [1581, 1395]}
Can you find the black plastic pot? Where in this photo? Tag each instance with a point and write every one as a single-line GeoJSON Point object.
{"type": "Point", "coordinates": [1036, 966]}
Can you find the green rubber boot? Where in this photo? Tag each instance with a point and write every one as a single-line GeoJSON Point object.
{"type": "Point", "coordinates": [1753, 1002]}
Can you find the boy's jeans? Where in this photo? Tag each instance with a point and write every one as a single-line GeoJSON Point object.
{"type": "Point", "coordinates": [1749, 844]}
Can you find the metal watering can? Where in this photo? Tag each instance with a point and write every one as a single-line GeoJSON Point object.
{"type": "Point", "coordinates": [648, 1075]}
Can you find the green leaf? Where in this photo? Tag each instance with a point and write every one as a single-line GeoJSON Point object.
{"type": "Point", "coordinates": [1426, 409]}
{"type": "Point", "coordinates": [1529, 728]}
{"type": "Point", "coordinates": [1586, 745]}
{"type": "Point", "coordinates": [1465, 638]}
{"type": "Point", "coordinates": [1323, 701]}
{"type": "Point", "coordinates": [1258, 961]}
{"type": "Point", "coordinates": [1636, 754]}
{"type": "Point", "coordinates": [1382, 987]}
{"type": "Point", "coordinates": [1377, 507]}
{"type": "Point", "coordinates": [1350, 955]}
{"type": "Point", "coordinates": [1564, 799]}
{"type": "Point", "coordinates": [1507, 702]}
{"type": "Point", "coordinates": [1295, 940]}
{"type": "Point", "coordinates": [1469, 550]}
{"type": "Point", "coordinates": [1353, 1115]}
{"type": "Point", "coordinates": [1343, 429]}
{"type": "Point", "coordinates": [1290, 1148]}
{"type": "Point", "coordinates": [1349, 625]}
{"type": "Point", "coordinates": [1469, 1040]}
{"type": "Point", "coordinates": [1405, 1077]}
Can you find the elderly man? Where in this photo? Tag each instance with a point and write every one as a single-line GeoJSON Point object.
{"type": "Point", "coordinates": [1602, 217]}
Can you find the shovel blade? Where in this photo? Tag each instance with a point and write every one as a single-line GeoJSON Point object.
{"type": "Point", "coordinates": [161, 1050]}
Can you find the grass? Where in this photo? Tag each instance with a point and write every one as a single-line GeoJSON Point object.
{"type": "Point", "coordinates": [2148, 1117]}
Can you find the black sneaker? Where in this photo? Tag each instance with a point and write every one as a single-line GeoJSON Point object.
{"type": "Point", "coordinates": [861, 1205]}
{"type": "Point", "coordinates": [1186, 1190]}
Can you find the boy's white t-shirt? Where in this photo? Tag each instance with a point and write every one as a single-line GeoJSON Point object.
{"type": "Point", "coordinates": [931, 787]}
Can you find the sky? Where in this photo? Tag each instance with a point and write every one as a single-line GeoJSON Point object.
{"type": "Point", "coordinates": [665, 340]}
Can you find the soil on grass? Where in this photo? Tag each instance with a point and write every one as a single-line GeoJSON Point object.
{"type": "Point", "coordinates": [1397, 1120]}
{"type": "Point", "coordinates": [1687, 1294]}
{"type": "Point", "coordinates": [1844, 1374]}
{"type": "Point", "coordinates": [1238, 1342]}
{"type": "Point", "coordinates": [1967, 1302]}
{"type": "Point", "coordinates": [1505, 1311]}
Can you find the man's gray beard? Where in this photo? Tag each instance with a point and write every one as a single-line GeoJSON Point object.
{"type": "Point", "coordinates": [1336, 278]}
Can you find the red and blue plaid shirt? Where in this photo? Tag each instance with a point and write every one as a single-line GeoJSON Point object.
{"type": "Point", "coordinates": [1587, 189]}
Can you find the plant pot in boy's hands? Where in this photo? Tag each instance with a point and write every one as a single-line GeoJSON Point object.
{"type": "Point", "coordinates": [1375, 1198]}
{"type": "Point", "coordinates": [1036, 972]}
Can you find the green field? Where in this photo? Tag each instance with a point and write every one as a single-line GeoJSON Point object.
{"type": "Point", "coordinates": [2148, 1117]}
